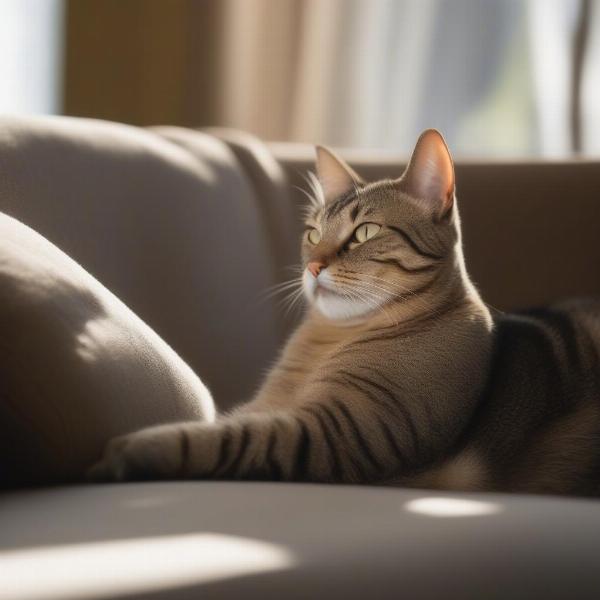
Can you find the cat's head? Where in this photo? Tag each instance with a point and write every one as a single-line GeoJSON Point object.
{"type": "Point", "coordinates": [367, 245]}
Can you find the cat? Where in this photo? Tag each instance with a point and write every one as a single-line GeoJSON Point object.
{"type": "Point", "coordinates": [399, 374]}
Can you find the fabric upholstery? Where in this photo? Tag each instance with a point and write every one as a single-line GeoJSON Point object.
{"type": "Point", "coordinates": [256, 541]}
{"type": "Point", "coordinates": [175, 231]}
{"type": "Point", "coordinates": [77, 367]}
{"type": "Point", "coordinates": [188, 228]}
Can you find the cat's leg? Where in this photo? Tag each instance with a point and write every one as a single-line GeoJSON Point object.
{"type": "Point", "coordinates": [319, 441]}
{"type": "Point", "coordinates": [229, 448]}
{"type": "Point", "coordinates": [282, 446]}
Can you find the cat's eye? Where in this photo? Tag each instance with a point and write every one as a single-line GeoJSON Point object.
{"type": "Point", "coordinates": [365, 232]}
{"type": "Point", "coordinates": [314, 237]}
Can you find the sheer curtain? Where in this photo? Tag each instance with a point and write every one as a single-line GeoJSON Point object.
{"type": "Point", "coordinates": [31, 38]}
{"type": "Point", "coordinates": [590, 92]}
{"type": "Point", "coordinates": [495, 76]}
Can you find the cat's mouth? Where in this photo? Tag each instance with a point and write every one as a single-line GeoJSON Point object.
{"type": "Point", "coordinates": [333, 302]}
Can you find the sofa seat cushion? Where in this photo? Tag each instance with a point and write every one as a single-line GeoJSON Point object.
{"type": "Point", "coordinates": [77, 367]}
{"type": "Point", "coordinates": [224, 540]}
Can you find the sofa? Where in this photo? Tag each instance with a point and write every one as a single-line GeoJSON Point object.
{"type": "Point", "coordinates": [189, 228]}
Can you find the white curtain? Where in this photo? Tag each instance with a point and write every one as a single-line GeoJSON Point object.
{"type": "Point", "coordinates": [31, 40]}
{"type": "Point", "coordinates": [590, 93]}
{"type": "Point", "coordinates": [494, 75]}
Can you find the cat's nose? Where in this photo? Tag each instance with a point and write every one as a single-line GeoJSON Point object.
{"type": "Point", "coordinates": [315, 268]}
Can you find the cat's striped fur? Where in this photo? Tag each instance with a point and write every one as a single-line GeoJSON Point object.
{"type": "Point", "coordinates": [398, 373]}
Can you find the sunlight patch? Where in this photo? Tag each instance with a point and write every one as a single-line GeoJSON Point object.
{"type": "Point", "coordinates": [452, 507]}
{"type": "Point", "coordinates": [107, 568]}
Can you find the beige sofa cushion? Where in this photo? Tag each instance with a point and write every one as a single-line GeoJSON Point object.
{"type": "Point", "coordinates": [262, 541]}
{"type": "Point", "coordinates": [174, 225]}
{"type": "Point", "coordinates": [77, 367]}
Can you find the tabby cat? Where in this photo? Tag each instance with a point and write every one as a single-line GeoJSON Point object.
{"type": "Point", "coordinates": [398, 372]}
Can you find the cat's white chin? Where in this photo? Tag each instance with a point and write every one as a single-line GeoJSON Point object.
{"type": "Point", "coordinates": [332, 304]}
{"type": "Point", "coordinates": [337, 308]}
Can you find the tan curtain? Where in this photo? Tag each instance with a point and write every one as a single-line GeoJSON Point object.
{"type": "Point", "coordinates": [144, 62]}
{"type": "Point", "coordinates": [279, 59]}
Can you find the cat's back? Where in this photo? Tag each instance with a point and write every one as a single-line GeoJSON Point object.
{"type": "Point", "coordinates": [585, 314]}
{"type": "Point", "coordinates": [558, 345]}
{"type": "Point", "coordinates": [537, 426]}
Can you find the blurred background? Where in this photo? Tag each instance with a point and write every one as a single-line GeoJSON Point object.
{"type": "Point", "coordinates": [500, 78]}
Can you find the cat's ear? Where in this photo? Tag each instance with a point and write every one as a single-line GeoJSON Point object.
{"type": "Point", "coordinates": [335, 175]}
{"type": "Point", "coordinates": [429, 176]}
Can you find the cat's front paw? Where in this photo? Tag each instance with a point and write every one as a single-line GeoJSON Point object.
{"type": "Point", "coordinates": [153, 453]}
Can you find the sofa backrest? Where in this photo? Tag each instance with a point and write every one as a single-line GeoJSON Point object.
{"type": "Point", "coordinates": [168, 220]}
{"type": "Point", "coordinates": [189, 228]}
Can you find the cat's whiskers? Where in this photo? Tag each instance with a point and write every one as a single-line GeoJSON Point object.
{"type": "Point", "coordinates": [379, 306]}
{"type": "Point", "coordinates": [280, 288]}
{"type": "Point", "coordinates": [416, 297]}
{"type": "Point", "coordinates": [315, 187]}
{"type": "Point", "coordinates": [360, 291]}
{"type": "Point", "coordinates": [351, 295]}
{"type": "Point", "coordinates": [292, 300]}
{"type": "Point", "coordinates": [394, 289]}
{"type": "Point", "coordinates": [384, 288]}
{"type": "Point", "coordinates": [406, 294]}
{"type": "Point", "coordinates": [393, 285]}
{"type": "Point", "coordinates": [315, 196]}
{"type": "Point", "coordinates": [295, 268]}
{"type": "Point", "coordinates": [388, 288]}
